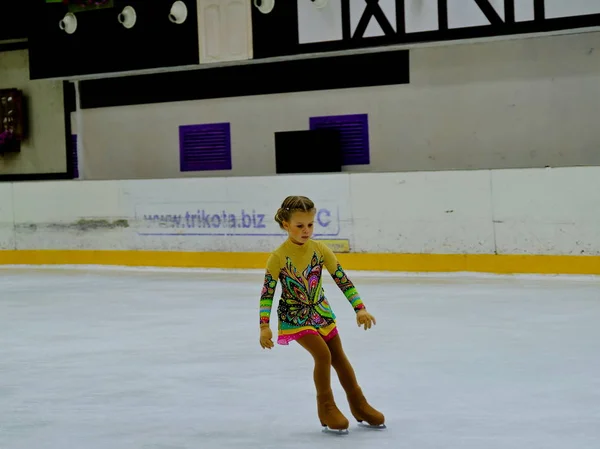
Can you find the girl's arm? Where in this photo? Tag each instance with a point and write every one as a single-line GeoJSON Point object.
{"type": "Point", "coordinates": [268, 290]}
{"type": "Point", "coordinates": [341, 279]}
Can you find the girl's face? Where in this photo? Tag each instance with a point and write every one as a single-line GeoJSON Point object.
{"type": "Point", "coordinates": [300, 227]}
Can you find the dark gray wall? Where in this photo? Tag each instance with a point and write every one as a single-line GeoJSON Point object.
{"type": "Point", "coordinates": [521, 103]}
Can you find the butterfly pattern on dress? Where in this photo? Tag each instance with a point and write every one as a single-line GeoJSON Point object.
{"type": "Point", "coordinates": [303, 301]}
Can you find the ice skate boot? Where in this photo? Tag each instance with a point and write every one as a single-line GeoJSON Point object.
{"type": "Point", "coordinates": [332, 419]}
{"type": "Point", "coordinates": [366, 415]}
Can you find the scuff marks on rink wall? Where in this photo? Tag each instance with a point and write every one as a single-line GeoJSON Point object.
{"type": "Point", "coordinates": [81, 225]}
{"type": "Point", "coordinates": [83, 233]}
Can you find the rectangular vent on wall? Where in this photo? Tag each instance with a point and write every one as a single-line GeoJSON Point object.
{"type": "Point", "coordinates": [354, 132]}
{"type": "Point", "coordinates": [74, 153]}
{"type": "Point", "coordinates": [205, 147]}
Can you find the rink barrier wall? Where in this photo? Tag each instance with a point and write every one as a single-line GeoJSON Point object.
{"type": "Point", "coordinates": [498, 221]}
{"type": "Point", "coordinates": [436, 263]}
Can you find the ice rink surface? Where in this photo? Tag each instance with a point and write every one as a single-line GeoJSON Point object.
{"type": "Point", "coordinates": [168, 359]}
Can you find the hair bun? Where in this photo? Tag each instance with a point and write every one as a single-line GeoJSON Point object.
{"type": "Point", "coordinates": [290, 205]}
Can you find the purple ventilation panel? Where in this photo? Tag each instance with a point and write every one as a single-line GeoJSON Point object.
{"type": "Point", "coordinates": [205, 147]}
{"type": "Point", "coordinates": [354, 133]}
{"type": "Point", "coordinates": [74, 153]}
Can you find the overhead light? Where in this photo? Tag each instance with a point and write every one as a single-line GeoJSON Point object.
{"type": "Point", "coordinates": [128, 17]}
{"type": "Point", "coordinates": [179, 13]}
{"type": "Point", "coordinates": [68, 23]}
{"type": "Point", "coordinates": [265, 6]}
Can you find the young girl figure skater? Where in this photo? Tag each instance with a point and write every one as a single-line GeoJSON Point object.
{"type": "Point", "coordinates": [306, 317]}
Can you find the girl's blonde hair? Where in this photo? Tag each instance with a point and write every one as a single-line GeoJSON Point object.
{"type": "Point", "coordinates": [293, 204]}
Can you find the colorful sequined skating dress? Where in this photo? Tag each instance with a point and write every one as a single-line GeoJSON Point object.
{"type": "Point", "coordinates": [303, 308]}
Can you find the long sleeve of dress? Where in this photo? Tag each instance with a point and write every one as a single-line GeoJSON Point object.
{"type": "Point", "coordinates": [341, 279]}
{"type": "Point", "coordinates": [268, 289]}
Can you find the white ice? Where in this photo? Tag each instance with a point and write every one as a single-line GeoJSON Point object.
{"type": "Point", "coordinates": [168, 359]}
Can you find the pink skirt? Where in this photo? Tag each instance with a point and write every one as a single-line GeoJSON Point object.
{"type": "Point", "coordinates": [287, 336]}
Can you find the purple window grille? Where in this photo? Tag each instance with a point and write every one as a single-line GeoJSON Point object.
{"type": "Point", "coordinates": [75, 159]}
{"type": "Point", "coordinates": [205, 147]}
{"type": "Point", "coordinates": [354, 133]}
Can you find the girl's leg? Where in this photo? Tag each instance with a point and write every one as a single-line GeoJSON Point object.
{"type": "Point", "coordinates": [342, 365]}
{"type": "Point", "coordinates": [320, 352]}
{"type": "Point", "coordinates": [359, 406]}
{"type": "Point", "coordinates": [328, 412]}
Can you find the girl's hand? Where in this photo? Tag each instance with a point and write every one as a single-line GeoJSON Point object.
{"type": "Point", "coordinates": [265, 337]}
{"type": "Point", "coordinates": [364, 318]}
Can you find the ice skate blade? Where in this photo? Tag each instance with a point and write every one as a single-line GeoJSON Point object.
{"type": "Point", "coordinates": [335, 431]}
{"type": "Point", "coordinates": [369, 426]}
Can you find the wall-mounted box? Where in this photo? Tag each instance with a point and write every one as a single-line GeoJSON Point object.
{"type": "Point", "coordinates": [12, 120]}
